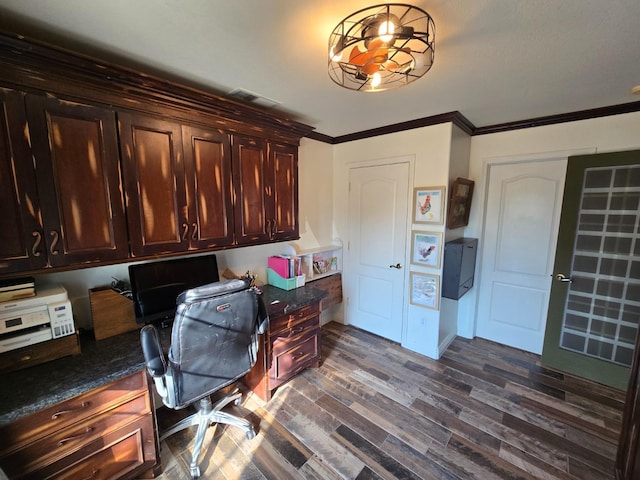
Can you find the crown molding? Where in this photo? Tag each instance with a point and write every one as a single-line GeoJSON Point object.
{"type": "Point", "coordinates": [465, 125]}
{"type": "Point", "coordinates": [451, 117]}
{"type": "Point", "coordinates": [561, 118]}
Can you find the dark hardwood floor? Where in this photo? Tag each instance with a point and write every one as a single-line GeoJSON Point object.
{"type": "Point", "coordinates": [375, 410]}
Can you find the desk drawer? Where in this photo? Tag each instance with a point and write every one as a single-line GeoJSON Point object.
{"type": "Point", "coordinates": [291, 357]}
{"type": "Point", "coordinates": [296, 331]}
{"type": "Point", "coordinates": [52, 448]}
{"type": "Point", "coordinates": [63, 414]}
{"type": "Point", "coordinates": [283, 322]}
{"type": "Point", "coordinates": [113, 456]}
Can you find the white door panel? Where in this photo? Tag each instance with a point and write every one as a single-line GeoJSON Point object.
{"type": "Point", "coordinates": [522, 215]}
{"type": "Point", "coordinates": [378, 202]}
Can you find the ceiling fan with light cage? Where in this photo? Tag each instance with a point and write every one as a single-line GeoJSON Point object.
{"type": "Point", "coordinates": [382, 47]}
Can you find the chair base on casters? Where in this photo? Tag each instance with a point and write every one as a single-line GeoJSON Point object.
{"type": "Point", "coordinates": [207, 415]}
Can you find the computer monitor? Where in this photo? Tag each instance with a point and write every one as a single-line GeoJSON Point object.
{"type": "Point", "coordinates": [156, 285]}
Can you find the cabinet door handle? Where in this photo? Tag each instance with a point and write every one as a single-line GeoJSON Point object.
{"type": "Point", "coordinates": [36, 244]}
{"type": "Point", "coordinates": [185, 231]}
{"type": "Point", "coordinates": [87, 431]}
{"type": "Point", "coordinates": [194, 233]}
{"type": "Point", "coordinates": [397, 265]}
{"type": "Point", "coordinates": [274, 228]}
{"type": "Point", "coordinates": [268, 222]}
{"type": "Point", "coordinates": [54, 243]}
{"type": "Point", "coordinates": [59, 413]}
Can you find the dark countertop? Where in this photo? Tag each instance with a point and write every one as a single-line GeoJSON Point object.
{"type": "Point", "coordinates": [31, 389]}
{"type": "Point", "coordinates": [284, 301]}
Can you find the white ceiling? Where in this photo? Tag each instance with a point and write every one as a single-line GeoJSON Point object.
{"type": "Point", "coordinates": [496, 61]}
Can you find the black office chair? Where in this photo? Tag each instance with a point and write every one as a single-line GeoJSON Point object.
{"type": "Point", "coordinates": [214, 342]}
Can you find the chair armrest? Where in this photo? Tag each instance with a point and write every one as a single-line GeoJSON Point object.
{"type": "Point", "coordinates": [152, 351]}
{"type": "Point", "coordinates": [263, 315]}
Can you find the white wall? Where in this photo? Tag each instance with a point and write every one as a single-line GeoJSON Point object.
{"type": "Point", "coordinates": [606, 134]}
{"type": "Point", "coordinates": [429, 147]}
{"type": "Point", "coordinates": [315, 193]}
{"type": "Point", "coordinates": [458, 167]}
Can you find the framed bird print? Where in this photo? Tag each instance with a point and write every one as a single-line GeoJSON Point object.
{"type": "Point", "coordinates": [425, 248]}
{"type": "Point", "coordinates": [428, 205]}
{"type": "Point", "coordinates": [425, 290]}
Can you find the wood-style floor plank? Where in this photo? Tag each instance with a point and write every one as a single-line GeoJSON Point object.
{"type": "Point", "coordinates": [374, 410]}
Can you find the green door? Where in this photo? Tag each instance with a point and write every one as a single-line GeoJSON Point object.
{"type": "Point", "coordinates": [594, 308]}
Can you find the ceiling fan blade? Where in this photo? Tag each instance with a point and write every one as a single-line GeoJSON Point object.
{"type": "Point", "coordinates": [370, 60]}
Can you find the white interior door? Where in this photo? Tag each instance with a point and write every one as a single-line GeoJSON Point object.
{"type": "Point", "coordinates": [521, 225]}
{"type": "Point", "coordinates": [374, 277]}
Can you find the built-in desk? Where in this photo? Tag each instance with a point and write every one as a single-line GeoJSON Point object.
{"type": "Point", "coordinates": [90, 390]}
{"type": "Point", "coordinates": [75, 416]}
{"type": "Point", "coordinates": [31, 389]}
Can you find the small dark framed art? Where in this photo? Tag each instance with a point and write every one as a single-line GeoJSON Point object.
{"type": "Point", "coordinates": [460, 204]}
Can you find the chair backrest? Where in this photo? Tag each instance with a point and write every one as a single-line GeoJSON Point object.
{"type": "Point", "coordinates": [213, 339]}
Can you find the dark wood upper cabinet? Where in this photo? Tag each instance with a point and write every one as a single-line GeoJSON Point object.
{"type": "Point", "coordinates": [153, 168]}
{"type": "Point", "coordinates": [265, 179]}
{"type": "Point", "coordinates": [21, 242]}
{"type": "Point", "coordinates": [100, 163]}
{"type": "Point", "coordinates": [207, 159]}
{"type": "Point", "coordinates": [178, 185]}
{"type": "Point", "coordinates": [75, 148]}
{"type": "Point", "coordinates": [253, 219]}
{"type": "Point", "coordinates": [283, 167]}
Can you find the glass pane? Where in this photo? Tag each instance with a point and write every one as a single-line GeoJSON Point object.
{"type": "Point", "coordinates": [602, 309]}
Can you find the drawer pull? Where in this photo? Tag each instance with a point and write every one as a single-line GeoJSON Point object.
{"type": "Point", "coordinates": [71, 410]}
{"type": "Point", "coordinates": [297, 355]}
{"type": "Point", "coordinates": [74, 437]}
{"type": "Point", "coordinates": [297, 330]}
{"type": "Point", "coordinates": [93, 475]}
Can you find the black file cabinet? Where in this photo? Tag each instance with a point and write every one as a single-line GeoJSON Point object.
{"type": "Point", "coordinates": [459, 267]}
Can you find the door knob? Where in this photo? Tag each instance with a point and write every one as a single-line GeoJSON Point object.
{"type": "Point", "coordinates": [562, 278]}
{"type": "Point", "coordinates": [397, 265]}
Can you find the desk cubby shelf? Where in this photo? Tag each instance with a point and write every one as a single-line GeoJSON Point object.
{"type": "Point", "coordinates": [319, 262]}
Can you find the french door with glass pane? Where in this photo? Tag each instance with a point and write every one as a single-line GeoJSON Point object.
{"type": "Point", "coordinates": [594, 309]}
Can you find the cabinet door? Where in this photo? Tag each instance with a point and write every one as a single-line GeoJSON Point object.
{"type": "Point", "coordinates": [283, 169]}
{"type": "Point", "coordinates": [207, 158]}
{"type": "Point", "coordinates": [78, 177]}
{"type": "Point", "coordinates": [21, 246]}
{"type": "Point", "coordinates": [153, 169]}
{"type": "Point", "coordinates": [250, 175]}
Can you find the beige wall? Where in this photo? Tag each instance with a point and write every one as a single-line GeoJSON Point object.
{"type": "Point", "coordinates": [428, 149]}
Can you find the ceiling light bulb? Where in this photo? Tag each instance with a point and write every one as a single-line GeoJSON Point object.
{"type": "Point", "coordinates": [376, 79]}
{"type": "Point", "coordinates": [335, 57]}
{"type": "Point", "coordinates": [386, 30]}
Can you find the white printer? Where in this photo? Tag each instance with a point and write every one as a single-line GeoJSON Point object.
{"type": "Point", "coordinates": [35, 319]}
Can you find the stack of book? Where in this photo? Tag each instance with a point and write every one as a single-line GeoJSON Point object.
{"type": "Point", "coordinates": [15, 288]}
